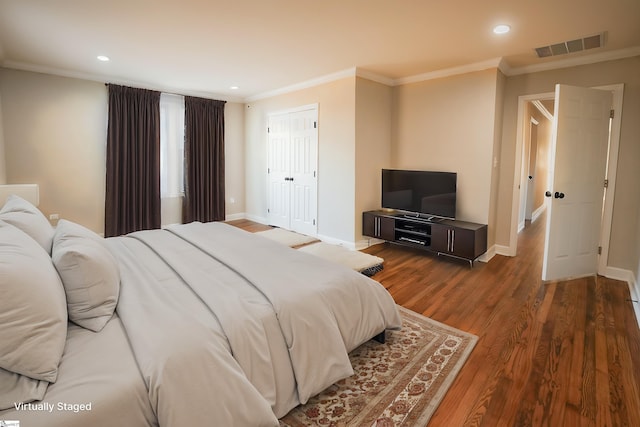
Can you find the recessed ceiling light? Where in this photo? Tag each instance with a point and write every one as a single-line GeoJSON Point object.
{"type": "Point", "coordinates": [234, 87]}
{"type": "Point", "coordinates": [501, 29]}
{"type": "Point", "coordinates": [103, 58]}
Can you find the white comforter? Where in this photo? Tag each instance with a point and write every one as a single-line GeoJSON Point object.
{"type": "Point", "coordinates": [230, 328]}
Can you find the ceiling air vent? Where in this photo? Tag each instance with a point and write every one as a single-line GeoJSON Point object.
{"type": "Point", "coordinates": [571, 46]}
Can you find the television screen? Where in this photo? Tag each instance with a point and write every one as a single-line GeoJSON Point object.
{"type": "Point", "coordinates": [421, 192]}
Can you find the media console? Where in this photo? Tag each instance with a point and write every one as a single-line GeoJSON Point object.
{"type": "Point", "coordinates": [458, 239]}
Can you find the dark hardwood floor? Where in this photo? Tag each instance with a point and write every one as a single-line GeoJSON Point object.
{"type": "Point", "coordinates": [549, 354]}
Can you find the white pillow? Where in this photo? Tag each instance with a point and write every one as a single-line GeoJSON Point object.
{"type": "Point", "coordinates": [22, 214]}
{"type": "Point", "coordinates": [33, 310]}
{"type": "Point", "coordinates": [89, 273]}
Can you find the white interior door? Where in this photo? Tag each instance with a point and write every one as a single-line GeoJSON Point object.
{"type": "Point", "coordinates": [292, 169]}
{"type": "Point", "coordinates": [279, 166]}
{"type": "Point", "coordinates": [304, 160]}
{"type": "Point", "coordinates": [579, 149]}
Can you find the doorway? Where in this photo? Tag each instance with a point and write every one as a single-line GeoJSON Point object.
{"type": "Point", "coordinates": [521, 167]}
{"type": "Point", "coordinates": [538, 118]}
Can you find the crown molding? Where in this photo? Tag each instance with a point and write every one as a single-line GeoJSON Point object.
{"type": "Point", "coordinates": [349, 72]}
{"type": "Point", "coordinates": [499, 63]}
{"type": "Point", "coordinates": [21, 66]}
{"type": "Point", "coordinates": [365, 74]}
{"type": "Point", "coordinates": [543, 110]}
{"type": "Point", "coordinates": [448, 72]}
{"type": "Point", "coordinates": [593, 58]}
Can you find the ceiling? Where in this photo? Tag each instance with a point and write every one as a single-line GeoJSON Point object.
{"type": "Point", "coordinates": [204, 47]}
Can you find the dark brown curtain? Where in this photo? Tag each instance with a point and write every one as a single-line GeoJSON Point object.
{"type": "Point", "coordinates": [204, 160]}
{"type": "Point", "coordinates": [132, 199]}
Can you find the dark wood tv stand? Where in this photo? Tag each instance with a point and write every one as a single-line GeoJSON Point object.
{"type": "Point", "coordinates": [458, 239]}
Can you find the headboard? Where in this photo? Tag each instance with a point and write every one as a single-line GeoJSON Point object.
{"type": "Point", "coordinates": [29, 192]}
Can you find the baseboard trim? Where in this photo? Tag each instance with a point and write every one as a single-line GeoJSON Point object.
{"type": "Point", "coordinates": [618, 274]}
{"type": "Point", "coordinates": [256, 218]}
{"type": "Point", "coordinates": [504, 250]}
{"type": "Point", "coordinates": [236, 216]}
{"type": "Point", "coordinates": [365, 243]}
{"type": "Point", "coordinates": [536, 214]}
{"type": "Point", "coordinates": [634, 287]}
{"type": "Point", "coordinates": [486, 257]}
{"type": "Point", "coordinates": [339, 242]}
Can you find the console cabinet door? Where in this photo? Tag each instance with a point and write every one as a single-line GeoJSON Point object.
{"type": "Point", "coordinates": [453, 241]}
{"type": "Point", "coordinates": [380, 227]}
{"type": "Point", "coordinates": [369, 224]}
{"type": "Point", "coordinates": [440, 238]}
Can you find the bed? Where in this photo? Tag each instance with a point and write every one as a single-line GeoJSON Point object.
{"type": "Point", "coordinates": [196, 324]}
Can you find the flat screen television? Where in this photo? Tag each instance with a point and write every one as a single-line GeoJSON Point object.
{"type": "Point", "coordinates": [424, 193]}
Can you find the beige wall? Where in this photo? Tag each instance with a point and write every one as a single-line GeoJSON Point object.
{"type": "Point", "coordinates": [336, 154]}
{"type": "Point", "coordinates": [373, 145]}
{"type": "Point", "coordinates": [55, 136]}
{"type": "Point", "coordinates": [542, 157]}
{"type": "Point", "coordinates": [623, 249]}
{"type": "Point", "coordinates": [234, 159]}
{"type": "Point", "coordinates": [3, 169]}
{"type": "Point", "coordinates": [55, 133]}
{"type": "Point", "coordinates": [535, 153]}
{"type": "Point", "coordinates": [449, 124]}
{"type": "Point", "coordinates": [494, 198]}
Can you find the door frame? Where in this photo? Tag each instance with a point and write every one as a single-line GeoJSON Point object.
{"type": "Point", "coordinates": [612, 166]}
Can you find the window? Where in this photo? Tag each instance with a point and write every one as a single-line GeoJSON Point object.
{"type": "Point", "coordinates": [171, 158]}
{"type": "Point", "coordinates": [171, 145]}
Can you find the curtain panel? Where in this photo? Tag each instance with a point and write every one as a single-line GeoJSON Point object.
{"type": "Point", "coordinates": [204, 195]}
{"type": "Point", "coordinates": [132, 199]}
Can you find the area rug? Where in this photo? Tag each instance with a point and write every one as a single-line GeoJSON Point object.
{"type": "Point", "coordinates": [399, 383]}
{"type": "Point", "coordinates": [286, 237]}
{"type": "Point", "coordinates": [356, 260]}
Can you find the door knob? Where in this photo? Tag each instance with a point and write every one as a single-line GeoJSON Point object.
{"type": "Point", "coordinates": [558, 195]}
{"type": "Point", "coordinates": [547, 194]}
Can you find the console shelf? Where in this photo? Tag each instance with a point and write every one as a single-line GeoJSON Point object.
{"type": "Point", "coordinates": [458, 239]}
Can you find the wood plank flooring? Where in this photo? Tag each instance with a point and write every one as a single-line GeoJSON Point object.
{"type": "Point", "coordinates": [549, 354]}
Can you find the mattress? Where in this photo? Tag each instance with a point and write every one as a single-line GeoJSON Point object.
{"type": "Point", "coordinates": [99, 385]}
{"type": "Point", "coordinates": [213, 326]}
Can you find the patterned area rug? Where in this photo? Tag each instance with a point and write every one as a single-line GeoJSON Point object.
{"type": "Point", "coordinates": [399, 383]}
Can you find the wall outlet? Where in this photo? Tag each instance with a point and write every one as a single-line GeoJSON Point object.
{"type": "Point", "coordinates": [232, 200]}
{"type": "Point", "coordinates": [54, 217]}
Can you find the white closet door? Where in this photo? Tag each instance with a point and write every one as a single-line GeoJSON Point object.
{"type": "Point", "coordinates": [279, 165]}
{"type": "Point", "coordinates": [292, 170]}
{"type": "Point", "coordinates": [304, 161]}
